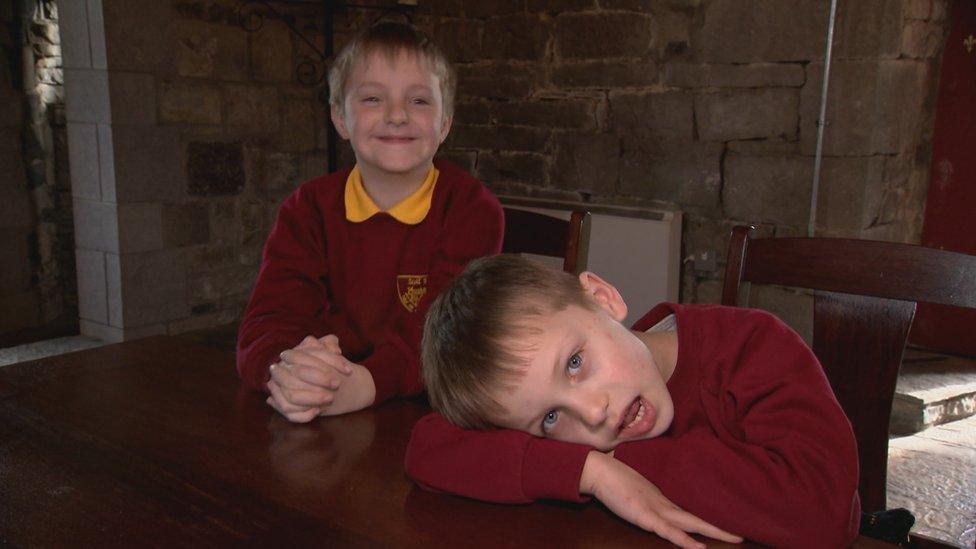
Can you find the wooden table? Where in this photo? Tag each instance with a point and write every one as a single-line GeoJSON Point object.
{"type": "Point", "coordinates": [153, 442]}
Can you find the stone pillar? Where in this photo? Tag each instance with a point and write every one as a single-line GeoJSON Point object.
{"type": "Point", "coordinates": [125, 167]}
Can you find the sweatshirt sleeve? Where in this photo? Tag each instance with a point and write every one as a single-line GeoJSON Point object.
{"type": "Point", "coordinates": [503, 466]}
{"type": "Point", "coordinates": [778, 463]}
{"type": "Point", "coordinates": [472, 228]}
{"type": "Point", "coordinates": [289, 296]}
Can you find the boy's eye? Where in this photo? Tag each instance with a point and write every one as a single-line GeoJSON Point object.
{"type": "Point", "coordinates": [371, 99]}
{"type": "Point", "coordinates": [420, 101]}
{"type": "Point", "coordinates": [574, 363]}
{"type": "Point", "coordinates": [549, 420]}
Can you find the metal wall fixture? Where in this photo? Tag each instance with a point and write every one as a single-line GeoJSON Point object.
{"type": "Point", "coordinates": [252, 15]}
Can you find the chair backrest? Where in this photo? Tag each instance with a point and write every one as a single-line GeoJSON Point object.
{"type": "Point", "coordinates": [536, 233]}
{"type": "Point", "coordinates": [865, 294]}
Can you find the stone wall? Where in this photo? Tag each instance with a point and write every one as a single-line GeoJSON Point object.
{"type": "Point", "coordinates": [707, 106]}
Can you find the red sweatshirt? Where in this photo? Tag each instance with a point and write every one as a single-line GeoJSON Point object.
{"type": "Point", "coordinates": [370, 283]}
{"type": "Point", "coordinates": [759, 446]}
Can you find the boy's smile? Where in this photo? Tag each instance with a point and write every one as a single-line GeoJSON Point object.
{"type": "Point", "coordinates": [589, 379]}
{"type": "Point", "coordinates": [393, 115]}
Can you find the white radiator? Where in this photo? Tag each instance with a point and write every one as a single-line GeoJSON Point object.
{"type": "Point", "coordinates": [637, 250]}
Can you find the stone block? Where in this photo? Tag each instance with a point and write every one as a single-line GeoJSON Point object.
{"type": "Point", "coordinates": [253, 108]}
{"type": "Point", "coordinates": [203, 259]}
{"type": "Point", "coordinates": [180, 102]}
{"type": "Point", "coordinates": [461, 39]}
{"type": "Point", "coordinates": [148, 50]}
{"type": "Point", "coordinates": [92, 285]}
{"type": "Point", "coordinates": [764, 147]}
{"type": "Point", "coordinates": [473, 113]}
{"type": "Point", "coordinates": [491, 8]}
{"type": "Point", "coordinates": [223, 221]}
{"type": "Point", "coordinates": [207, 50]}
{"type": "Point", "coordinates": [748, 114]}
{"type": "Point", "coordinates": [922, 40]}
{"type": "Point", "coordinates": [918, 9]}
{"type": "Point", "coordinates": [87, 96]}
{"type": "Point", "coordinates": [768, 189]}
{"type": "Point", "coordinates": [559, 6]}
{"type": "Point", "coordinates": [15, 276]}
{"type": "Point", "coordinates": [217, 284]}
{"type": "Point", "coordinates": [868, 29]}
{"type": "Point", "coordinates": [688, 174]}
{"type": "Point", "coordinates": [466, 160]}
{"type": "Point", "coordinates": [154, 285]}
{"type": "Point", "coordinates": [271, 174]}
{"type": "Point", "coordinates": [685, 75]}
{"type": "Point", "coordinates": [659, 117]}
{"type": "Point", "coordinates": [497, 81]}
{"type": "Point", "coordinates": [588, 162]}
{"type": "Point", "coordinates": [20, 310]}
{"type": "Point", "coordinates": [850, 197]}
{"type": "Point", "coordinates": [271, 54]}
{"type": "Point", "coordinates": [672, 31]}
{"type": "Point", "coordinates": [555, 112]}
{"type": "Point", "coordinates": [756, 75]}
{"type": "Point", "coordinates": [96, 225]}
{"type": "Point", "coordinates": [214, 168]}
{"type": "Point", "coordinates": [140, 227]}
{"type": "Point", "coordinates": [132, 97]}
{"type": "Point", "coordinates": [873, 107]}
{"type": "Point", "coordinates": [185, 224]}
{"type": "Point", "coordinates": [520, 37]}
{"type": "Point", "coordinates": [777, 31]}
{"type": "Point", "coordinates": [632, 5]}
{"type": "Point", "coordinates": [440, 7]}
{"type": "Point", "coordinates": [597, 35]}
{"type": "Point", "coordinates": [604, 73]}
{"type": "Point", "coordinates": [499, 138]}
{"type": "Point", "coordinates": [256, 220]}
{"type": "Point", "coordinates": [520, 167]}
{"type": "Point", "coordinates": [314, 165]}
{"type": "Point", "coordinates": [298, 126]}
{"type": "Point", "coordinates": [148, 163]}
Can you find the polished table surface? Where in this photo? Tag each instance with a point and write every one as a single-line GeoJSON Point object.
{"type": "Point", "coordinates": [154, 442]}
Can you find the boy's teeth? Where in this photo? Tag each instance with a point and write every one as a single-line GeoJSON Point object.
{"type": "Point", "coordinates": [639, 416]}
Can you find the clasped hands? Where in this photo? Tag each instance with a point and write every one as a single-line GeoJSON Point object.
{"type": "Point", "coordinates": [313, 379]}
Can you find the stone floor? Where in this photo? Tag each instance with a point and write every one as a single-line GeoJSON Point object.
{"type": "Point", "coordinates": [931, 390]}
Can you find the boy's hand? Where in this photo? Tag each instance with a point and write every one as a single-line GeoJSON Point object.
{"type": "Point", "coordinates": [307, 378]}
{"type": "Point", "coordinates": [638, 501]}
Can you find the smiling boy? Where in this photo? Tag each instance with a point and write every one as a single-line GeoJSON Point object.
{"type": "Point", "coordinates": [543, 393]}
{"type": "Point", "coordinates": [355, 257]}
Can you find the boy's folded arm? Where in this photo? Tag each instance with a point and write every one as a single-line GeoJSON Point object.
{"type": "Point", "coordinates": [289, 296]}
{"type": "Point", "coordinates": [501, 465]}
{"type": "Point", "coordinates": [473, 229]}
{"type": "Point", "coordinates": [781, 468]}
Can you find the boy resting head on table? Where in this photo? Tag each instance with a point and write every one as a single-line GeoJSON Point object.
{"type": "Point", "coordinates": [704, 419]}
{"type": "Point", "coordinates": [355, 257]}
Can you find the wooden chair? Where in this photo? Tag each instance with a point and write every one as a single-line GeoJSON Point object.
{"type": "Point", "coordinates": [537, 233]}
{"type": "Point", "coordinates": [865, 294]}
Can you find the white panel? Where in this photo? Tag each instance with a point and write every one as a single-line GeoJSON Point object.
{"type": "Point", "coordinates": [637, 250]}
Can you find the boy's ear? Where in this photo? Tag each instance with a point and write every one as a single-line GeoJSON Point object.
{"type": "Point", "coordinates": [604, 294]}
{"type": "Point", "coordinates": [446, 123]}
{"type": "Point", "coordinates": [340, 121]}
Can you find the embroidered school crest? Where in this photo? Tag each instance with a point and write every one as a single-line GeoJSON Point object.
{"type": "Point", "coordinates": [411, 288]}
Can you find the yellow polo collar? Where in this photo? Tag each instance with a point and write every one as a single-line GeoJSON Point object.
{"type": "Point", "coordinates": [410, 211]}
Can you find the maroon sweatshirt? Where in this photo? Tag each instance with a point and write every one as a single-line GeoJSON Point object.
{"type": "Point", "coordinates": [369, 283]}
{"type": "Point", "coordinates": [758, 446]}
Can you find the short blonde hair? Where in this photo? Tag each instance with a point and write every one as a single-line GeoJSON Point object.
{"type": "Point", "coordinates": [391, 38]}
{"type": "Point", "coordinates": [479, 329]}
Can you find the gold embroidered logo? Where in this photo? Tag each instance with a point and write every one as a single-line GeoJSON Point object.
{"type": "Point", "coordinates": [411, 288]}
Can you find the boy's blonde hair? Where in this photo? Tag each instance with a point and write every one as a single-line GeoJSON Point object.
{"type": "Point", "coordinates": [391, 38]}
{"type": "Point", "coordinates": [479, 329]}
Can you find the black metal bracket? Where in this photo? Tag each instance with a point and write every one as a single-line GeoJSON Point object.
{"type": "Point", "coordinates": [311, 72]}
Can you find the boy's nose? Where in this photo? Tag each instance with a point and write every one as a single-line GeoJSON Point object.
{"type": "Point", "coordinates": [593, 408]}
{"type": "Point", "coordinates": [396, 113]}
